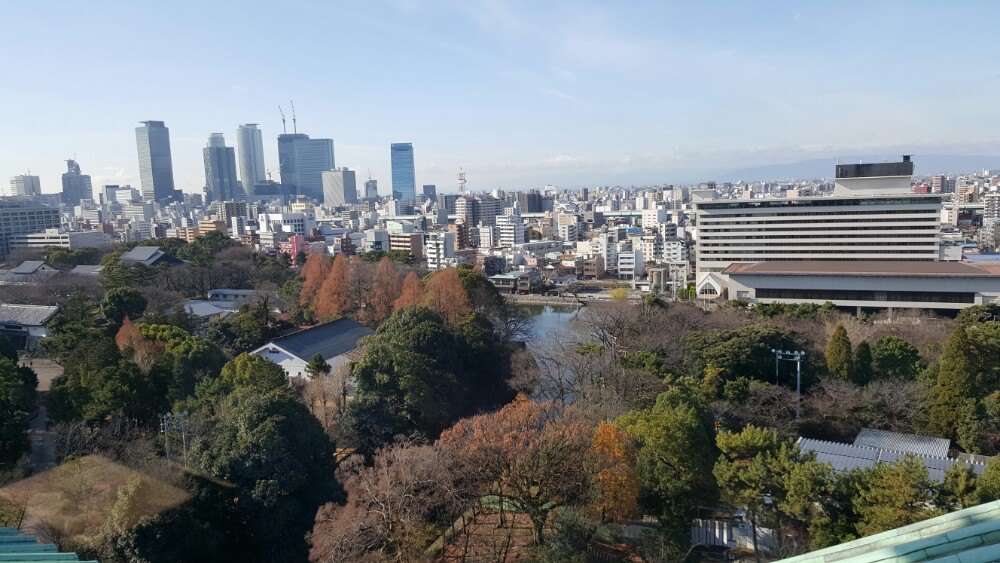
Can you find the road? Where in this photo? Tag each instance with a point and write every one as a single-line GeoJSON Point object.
{"type": "Point", "coordinates": [42, 441]}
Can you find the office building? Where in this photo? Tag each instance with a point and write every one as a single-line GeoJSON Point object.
{"type": "Point", "coordinates": [220, 171]}
{"type": "Point", "coordinates": [25, 185]}
{"type": "Point", "coordinates": [530, 202]}
{"type": "Point", "coordinates": [872, 216]}
{"type": "Point", "coordinates": [991, 205]}
{"type": "Point", "coordinates": [404, 184]}
{"type": "Point", "coordinates": [156, 169]}
{"type": "Point", "coordinates": [75, 186]}
{"type": "Point", "coordinates": [250, 144]}
{"type": "Point", "coordinates": [371, 189]}
{"type": "Point", "coordinates": [429, 192]}
{"type": "Point", "coordinates": [229, 210]}
{"type": "Point", "coordinates": [440, 250]}
{"type": "Point", "coordinates": [413, 243]}
{"type": "Point", "coordinates": [510, 230]}
{"type": "Point", "coordinates": [24, 217]}
{"type": "Point", "coordinates": [302, 162]}
{"type": "Point", "coordinates": [58, 238]}
{"type": "Point", "coordinates": [339, 187]}
{"type": "Point", "coordinates": [478, 209]}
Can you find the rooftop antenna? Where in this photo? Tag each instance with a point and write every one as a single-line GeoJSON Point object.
{"type": "Point", "coordinates": [283, 128]}
{"type": "Point", "coordinates": [295, 128]}
{"type": "Point", "coordinates": [461, 181]}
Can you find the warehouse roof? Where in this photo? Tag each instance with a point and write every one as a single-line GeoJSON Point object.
{"type": "Point", "coordinates": [845, 457]}
{"type": "Point", "coordinates": [862, 268]}
{"type": "Point", "coordinates": [900, 442]}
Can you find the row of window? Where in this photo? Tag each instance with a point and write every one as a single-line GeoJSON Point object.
{"type": "Point", "coordinates": [832, 202]}
{"type": "Point", "coordinates": [735, 255]}
{"type": "Point", "coordinates": [865, 295]}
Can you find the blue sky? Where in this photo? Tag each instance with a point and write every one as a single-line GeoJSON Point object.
{"type": "Point", "coordinates": [520, 94]}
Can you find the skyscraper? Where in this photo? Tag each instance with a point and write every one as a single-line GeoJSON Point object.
{"type": "Point", "coordinates": [156, 169]}
{"type": "Point", "coordinates": [371, 189]}
{"type": "Point", "coordinates": [220, 171]}
{"type": "Point", "coordinates": [430, 192]}
{"type": "Point", "coordinates": [25, 184]}
{"type": "Point", "coordinates": [251, 147]}
{"type": "Point", "coordinates": [404, 185]}
{"type": "Point", "coordinates": [75, 186]}
{"type": "Point", "coordinates": [302, 161]}
{"type": "Point", "coordinates": [339, 187]}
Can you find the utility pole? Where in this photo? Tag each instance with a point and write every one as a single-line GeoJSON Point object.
{"type": "Point", "coordinates": [172, 422]}
{"type": "Point", "coordinates": [792, 356]}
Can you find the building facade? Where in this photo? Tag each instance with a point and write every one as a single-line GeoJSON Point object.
{"type": "Point", "coordinates": [156, 169]}
{"type": "Point", "coordinates": [25, 185]}
{"type": "Point", "coordinates": [221, 183]}
{"type": "Point", "coordinates": [339, 187]}
{"type": "Point", "coordinates": [22, 217]}
{"type": "Point", "coordinates": [302, 162]}
{"type": "Point", "coordinates": [250, 143]}
{"type": "Point", "coordinates": [75, 186]}
{"type": "Point", "coordinates": [404, 183]}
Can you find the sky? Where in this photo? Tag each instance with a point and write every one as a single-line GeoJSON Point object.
{"type": "Point", "coordinates": [518, 94]}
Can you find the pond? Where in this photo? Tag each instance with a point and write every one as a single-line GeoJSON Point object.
{"type": "Point", "coordinates": [548, 318]}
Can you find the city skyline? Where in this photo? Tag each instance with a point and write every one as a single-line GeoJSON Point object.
{"type": "Point", "coordinates": [573, 95]}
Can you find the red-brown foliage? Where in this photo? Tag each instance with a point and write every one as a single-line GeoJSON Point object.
{"type": "Point", "coordinates": [315, 271]}
{"type": "Point", "coordinates": [332, 299]}
{"type": "Point", "coordinates": [446, 295]}
{"type": "Point", "coordinates": [412, 292]}
{"type": "Point", "coordinates": [386, 288]}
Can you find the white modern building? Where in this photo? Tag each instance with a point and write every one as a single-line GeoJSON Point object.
{"type": "Point", "coordinates": [630, 265]}
{"type": "Point", "coordinates": [339, 187]}
{"type": "Point", "coordinates": [336, 341]}
{"type": "Point", "coordinates": [25, 185]}
{"type": "Point", "coordinates": [56, 237]}
{"type": "Point", "coordinates": [873, 215]}
{"type": "Point", "coordinates": [439, 248]}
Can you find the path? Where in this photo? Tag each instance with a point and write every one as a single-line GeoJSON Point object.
{"type": "Point", "coordinates": [42, 441]}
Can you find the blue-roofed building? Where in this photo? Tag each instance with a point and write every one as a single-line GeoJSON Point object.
{"type": "Point", "coordinates": [15, 546]}
{"type": "Point", "coordinates": [336, 341]}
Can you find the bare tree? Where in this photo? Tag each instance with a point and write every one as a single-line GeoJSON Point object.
{"type": "Point", "coordinates": [326, 398]}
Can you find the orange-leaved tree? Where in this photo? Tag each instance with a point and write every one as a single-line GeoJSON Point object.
{"type": "Point", "coordinates": [412, 292]}
{"type": "Point", "coordinates": [527, 452]}
{"type": "Point", "coordinates": [386, 288]}
{"type": "Point", "coordinates": [616, 481]}
{"type": "Point", "coordinates": [332, 298]}
{"type": "Point", "coordinates": [314, 273]}
{"type": "Point", "coordinates": [445, 294]}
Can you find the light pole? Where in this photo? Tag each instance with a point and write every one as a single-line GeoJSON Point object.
{"type": "Point", "coordinates": [792, 356]}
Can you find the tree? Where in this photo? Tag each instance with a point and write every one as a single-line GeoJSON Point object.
{"type": "Point", "coordinates": [959, 488]}
{"type": "Point", "coordinates": [839, 358]}
{"type": "Point", "coordinates": [616, 483]}
{"type": "Point", "coordinates": [895, 358]}
{"type": "Point", "coordinates": [988, 484]}
{"type": "Point", "coordinates": [7, 349]}
{"type": "Point", "coordinates": [250, 371]}
{"type": "Point", "coordinates": [391, 505]}
{"type": "Point", "coordinates": [445, 295]}
{"type": "Point", "coordinates": [536, 459]}
{"type": "Point", "coordinates": [317, 366]}
{"type": "Point", "coordinates": [121, 302]}
{"type": "Point", "coordinates": [861, 370]}
{"type": "Point", "coordinates": [951, 395]}
{"type": "Point", "coordinates": [675, 456]}
{"type": "Point", "coordinates": [412, 292]}
{"type": "Point", "coordinates": [892, 495]}
{"type": "Point", "coordinates": [314, 273]}
{"type": "Point", "coordinates": [619, 294]}
{"type": "Point", "coordinates": [420, 375]}
{"type": "Point", "coordinates": [332, 301]}
{"type": "Point", "coordinates": [386, 289]}
{"type": "Point", "coordinates": [17, 399]}
{"type": "Point", "coordinates": [274, 454]}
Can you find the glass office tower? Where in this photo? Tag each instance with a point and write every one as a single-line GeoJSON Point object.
{"type": "Point", "coordinates": [404, 185]}
{"type": "Point", "coordinates": [156, 169]}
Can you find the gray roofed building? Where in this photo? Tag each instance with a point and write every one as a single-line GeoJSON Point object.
{"type": "Point", "coordinates": [31, 267]}
{"type": "Point", "coordinates": [335, 341]}
{"type": "Point", "coordinates": [900, 442]}
{"type": "Point", "coordinates": [87, 269]}
{"type": "Point", "coordinates": [146, 255]}
{"type": "Point", "coordinates": [845, 457]}
{"type": "Point", "coordinates": [29, 272]}
{"type": "Point", "coordinates": [24, 325]}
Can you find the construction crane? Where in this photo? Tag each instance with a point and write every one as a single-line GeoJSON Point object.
{"type": "Point", "coordinates": [461, 181]}
{"type": "Point", "coordinates": [295, 128]}
{"type": "Point", "coordinates": [283, 128]}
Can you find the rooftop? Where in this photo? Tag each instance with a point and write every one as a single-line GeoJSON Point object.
{"type": "Point", "coordinates": [19, 547]}
{"type": "Point", "coordinates": [328, 339]}
{"type": "Point", "coordinates": [845, 457]}
{"type": "Point", "coordinates": [26, 315]}
{"type": "Point", "coordinates": [863, 268]}
{"type": "Point", "coordinates": [900, 442]}
{"type": "Point", "coordinates": [144, 254]}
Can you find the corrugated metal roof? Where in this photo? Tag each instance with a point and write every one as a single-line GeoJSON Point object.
{"type": "Point", "coordinates": [845, 457]}
{"type": "Point", "coordinates": [145, 254]}
{"type": "Point", "coordinates": [900, 442]}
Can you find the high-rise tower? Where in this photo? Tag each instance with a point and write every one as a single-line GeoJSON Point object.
{"type": "Point", "coordinates": [220, 171]}
{"type": "Point", "coordinates": [250, 144]}
{"type": "Point", "coordinates": [156, 170]}
{"type": "Point", "coordinates": [404, 184]}
{"type": "Point", "coordinates": [75, 186]}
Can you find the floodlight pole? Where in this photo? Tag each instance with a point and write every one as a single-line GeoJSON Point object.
{"type": "Point", "coordinates": [793, 356]}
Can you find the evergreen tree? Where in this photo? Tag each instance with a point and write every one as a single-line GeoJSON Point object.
{"type": "Point", "coordinates": [894, 494]}
{"type": "Point", "coordinates": [951, 396]}
{"type": "Point", "coordinates": [862, 369]}
{"type": "Point", "coordinates": [317, 366]}
{"type": "Point", "coordinates": [839, 357]}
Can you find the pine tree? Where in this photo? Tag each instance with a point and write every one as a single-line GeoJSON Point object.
{"type": "Point", "coordinates": [839, 358]}
{"type": "Point", "coordinates": [412, 292]}
{"type": "Point", "coordinates": [314, 273]}
{"type": "Point", "coordinates": [386, 288]}
{"type": "Point", "coordinates": [317, 366]}
{"type": "Point", "coordinates": [952, 395]}
{"type": "Point", "coordinates": [332, 299]}
{"type": "Point", "coordinates": [862, 369]}
{"type": "Point", "coordinates": [446, 295]}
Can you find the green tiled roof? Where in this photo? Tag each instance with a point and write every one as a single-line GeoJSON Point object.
{"type": "Point", "coordinates": [971, 535]}
{"type": "Point", "coordinates": [16, 548]}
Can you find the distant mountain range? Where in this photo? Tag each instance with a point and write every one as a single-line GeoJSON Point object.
{"type": "Point", "coordinates": [824, 167]}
